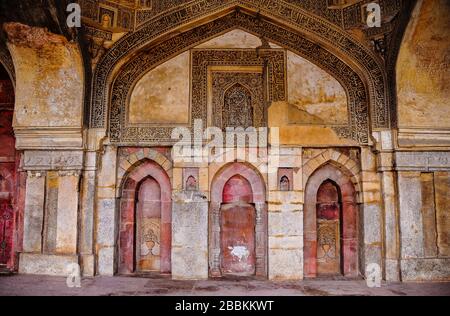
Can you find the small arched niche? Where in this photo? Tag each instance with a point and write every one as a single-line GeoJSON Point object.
{"type": "Point", "coordinates": [330, 224]}
{"type": "Point", "coordinates": [237, 228]}
{"type": "Point", "coordinates": [148, 226]}
{"type": "Point", "coordinates": [145, 235]}
{"type": "Point", "coordinates": [329, 229]}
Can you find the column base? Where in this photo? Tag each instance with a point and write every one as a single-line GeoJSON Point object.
{"type": "Point", "coordinates": [392, 267]}
{"type": "Point", "coordinates": [87, 265]}
{"type": "Point", "coordinates": [54, 265]}
{"type": "Point", "coordinates": [433, 269]}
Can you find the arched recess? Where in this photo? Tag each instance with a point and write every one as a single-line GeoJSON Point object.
{"type": "Point", "coordinates": [317, 40]}
{"type": "Point", "coordinates": [222, 193]}
{"type": "Point", "coordinates": [11, 203]}
{"type": "Point", "coordinates": [348, 219]}
{"type": "Point", "coordinates": [7, 62]}
{"type": "Point", "coordinates": [7, 217]}
{"type": "Point", "coordinates": [143, 176]}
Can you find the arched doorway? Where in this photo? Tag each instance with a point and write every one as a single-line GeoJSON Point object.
{"type": "Point", "coordinates": [238, 223]}
{"type": "Point", "coordinates": [330, 224]}
{"type": "Point", "coordinates": [9, 160]}
{"type": "Point", "coordinates": [329, 232]}
{"type": "Point", "coordinates": [148, 226]}
{"type": "Point", "coordinates": [145, 235]}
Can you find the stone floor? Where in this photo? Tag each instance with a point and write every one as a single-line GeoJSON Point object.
{"type": "Point", "coordinates": [123, 286]}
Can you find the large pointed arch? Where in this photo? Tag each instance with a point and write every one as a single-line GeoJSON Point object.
{"type": "Point", "coordinates": [7, 62]}
{"type": "Point", "coordinates": [354, 83]}
{"type": "Point", "coordinates": [137, 174]}
{"type": "Point", "coordinates": [305, 31]}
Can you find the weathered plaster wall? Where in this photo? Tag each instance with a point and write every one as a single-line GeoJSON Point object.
{"type": "Point", "coordinates": [319, 98]}
{"type": "Point", "coordinates": [295, 134]}
{"type": "Point", "coordinates": [49, 88]}
{"type": "Point", "coordinates": [49, 78]}
{"type": "Point", "coordinates": [234, 39]}
{"type": "Point", "coordinates": [423, 71]}
{"type": "Point", "coordinates": [316, 102]}
{"type": "Point", "coordinates": [162, 95]}
{"type": "Point", "coordinates": [423, 89]}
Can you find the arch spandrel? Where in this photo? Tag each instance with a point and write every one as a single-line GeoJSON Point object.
{"type": "Point", "coordinates": [330, 38]}
{"type": "Point", "coordinates": [355, 86]}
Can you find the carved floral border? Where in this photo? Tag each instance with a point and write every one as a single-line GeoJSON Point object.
{"type": "Point", "coordinates": [356, 90]}
{"type": "Point", "coordinates": [369, 66]}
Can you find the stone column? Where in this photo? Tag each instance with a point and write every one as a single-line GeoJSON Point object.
{"type": "Point", "coordinates": [423, 183]}
{"type": "Point", "coordinates": [34, 212]}
{"type": "Point", "coordinates": [48, 125]}
{"type": "Point", "coordinates": [214, 239]}
{"type": "Point", "coordinates": [189, 235]}
{"type": "Point", "coordinates": [285, 222]}
{"type": "Point", "coordinates": [442, 217]}
{"type": "Point", "coordinates": [86, 239]}
{"type": "Point", "coordinates": [55, 214]}
{"type": "Point", "coordinates": [391, 228]}
{"type": "Point", "coordinates": [106, 212]}
{"type": "Point", "coordinates": [88, 195]}
{"type": "Point", "coordinates": [372, 212]}
{"type": "Point", "coordinates": [385, 162]}
{"type": "Point", "coordinates": [67, 213]}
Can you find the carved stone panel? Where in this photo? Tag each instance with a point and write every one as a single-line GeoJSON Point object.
{"type": "Point", "coordinates": [228, 85]}
{"type": "Point", "coordinates": [238, 99]}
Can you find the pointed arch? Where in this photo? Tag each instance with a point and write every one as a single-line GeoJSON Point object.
{"type": "Point", "coordinates": [7, 62]}
{"type": "Point", "coordinates": [310, 36]}
{"type": "Point", "coordinates": [347, 164]}
{"type": "Point", "coordinates": [257, 188]}
{"type": "Point", "coordinates": [135, 177]}
{"type": "Point", "coordinates": [349, 220]}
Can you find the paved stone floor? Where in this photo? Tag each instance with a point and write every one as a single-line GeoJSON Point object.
{"type": "Point", "coordinates": [123, 286]}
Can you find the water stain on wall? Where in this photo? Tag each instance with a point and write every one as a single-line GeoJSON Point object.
{"type": "Point", "coordinates": [162, 95]}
